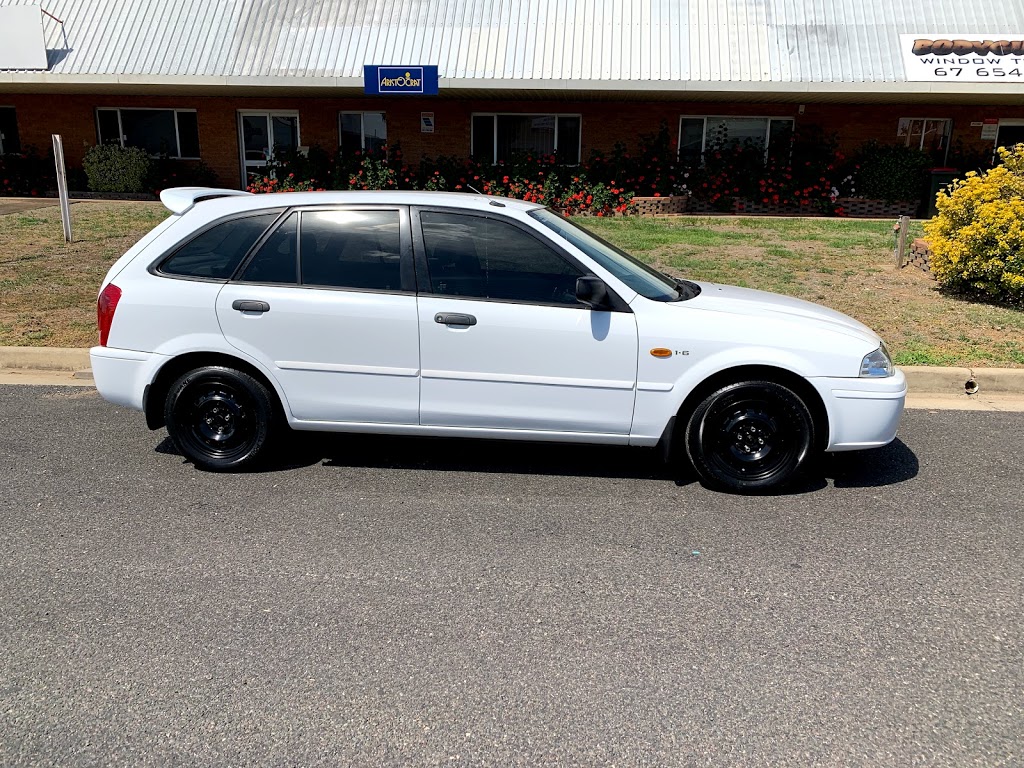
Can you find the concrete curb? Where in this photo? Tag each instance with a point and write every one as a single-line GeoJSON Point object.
{"type": "Point", "coordinates": [44, 358]}
{"type": "Point", "coordinates": [922, 379]}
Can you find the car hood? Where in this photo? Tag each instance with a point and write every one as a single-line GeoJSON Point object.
{"type": "Point", "coordinates": [751, 303]}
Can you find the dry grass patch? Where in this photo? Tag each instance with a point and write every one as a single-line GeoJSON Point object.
{"type": "Point", "coordinates": [47, 287]}
{"type": "Point", "coordinates": [843, 264]}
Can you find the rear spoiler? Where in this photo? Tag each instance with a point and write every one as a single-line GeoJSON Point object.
{"type": "Point", "coordinates": [180, 200]}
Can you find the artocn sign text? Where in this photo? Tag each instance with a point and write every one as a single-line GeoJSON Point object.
{"type": "Point", "coordinates": [402, 81]}
{"type": "Point", "coordinates": [963, 58]}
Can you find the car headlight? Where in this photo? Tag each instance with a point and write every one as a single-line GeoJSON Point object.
{"type": "Point", "coordinates": [877, 363]}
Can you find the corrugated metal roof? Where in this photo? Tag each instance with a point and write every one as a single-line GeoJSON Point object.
{"type": "Point", "coordinates": [522, 43]}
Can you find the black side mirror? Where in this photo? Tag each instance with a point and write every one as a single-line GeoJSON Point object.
{"type": "Point", "coordinates": [592, 291]}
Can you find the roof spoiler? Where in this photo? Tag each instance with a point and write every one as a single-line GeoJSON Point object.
{"type": "Point", "coordinates": [180, 200]}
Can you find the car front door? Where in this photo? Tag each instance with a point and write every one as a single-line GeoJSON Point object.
{"type": "Point", "coordinates": [504, 343]}
{"type": "Point", "coordinates": [327, 302]}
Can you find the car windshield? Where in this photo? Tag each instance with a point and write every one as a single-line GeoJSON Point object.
{"type": "Point", "coordinates": [644, 280]}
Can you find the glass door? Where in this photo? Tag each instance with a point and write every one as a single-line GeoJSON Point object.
{"type": "Point", "coordinates": [261, 134]}
{"type": "Point", "coordinates": [8, 131]}
{"type": "Point", "coordinates": [1010, 132]}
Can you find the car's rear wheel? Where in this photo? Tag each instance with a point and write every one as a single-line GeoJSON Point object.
{"type": "Point", "coordinates": [750, 436]}
{"type": "Point", "coordinates": [220, 418]}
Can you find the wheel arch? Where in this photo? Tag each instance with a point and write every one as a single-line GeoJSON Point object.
{"type": "Point", "coordinates": [794, 381]}
{"type": "Point", "coordinates": [156, 391]}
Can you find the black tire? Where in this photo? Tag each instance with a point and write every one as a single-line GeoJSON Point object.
{"type": "Point", "coordinates": [750, 437]}
{"type": "Point", "coordinates": [220, 418]}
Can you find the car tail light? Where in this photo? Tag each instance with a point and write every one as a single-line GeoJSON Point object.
{"type": "Point", "coordinates": [105, 306]}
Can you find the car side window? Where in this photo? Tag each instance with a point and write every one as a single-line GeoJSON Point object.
{"type": "Point", "coordinates": [480, 257]}
{"type": "Point", "coordinates": [218, 251]}
{"type": "Point", "coordinates": [275, 261]}
{"type": "Point", "coordinates": [351, 249]}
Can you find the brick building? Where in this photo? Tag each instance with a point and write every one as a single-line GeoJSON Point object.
{"type": "Point", "coordinates": [226, 81]}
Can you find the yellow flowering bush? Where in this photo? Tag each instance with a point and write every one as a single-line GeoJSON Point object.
{"type": "Point", "coordinates": [977, 236]}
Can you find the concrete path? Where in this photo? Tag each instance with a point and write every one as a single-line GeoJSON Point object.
{"type": "Point", "coordinates": [21, 204]}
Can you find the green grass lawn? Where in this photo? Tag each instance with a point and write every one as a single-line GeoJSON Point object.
{"type": "Point", "coordinates": [48, 289]}
{"type": "Point", "coordinates": [845, 264]}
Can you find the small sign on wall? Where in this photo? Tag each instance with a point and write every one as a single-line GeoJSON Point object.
{"type": "Point", "coordinates": [426, 122]}
{"type": "Point", "coordinates": [400, 80]}
{"type": "Point", "coordinates": [990, 129]}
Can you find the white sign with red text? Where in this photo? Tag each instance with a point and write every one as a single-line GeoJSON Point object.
{"type": "Point", "coordinates": [969, 58]}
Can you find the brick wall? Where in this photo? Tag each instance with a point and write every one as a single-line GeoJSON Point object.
{"type": "Point", "coordinates": [604, 122]}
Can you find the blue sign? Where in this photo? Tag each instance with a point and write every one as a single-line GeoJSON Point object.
{"type": "Point", "coordinates": [411, 81]}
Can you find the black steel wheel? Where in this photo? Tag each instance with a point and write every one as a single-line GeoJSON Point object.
{"type": "Point", "coordinates": [749, 436]}
{"type": "Point", "coordinates": [220, 418]}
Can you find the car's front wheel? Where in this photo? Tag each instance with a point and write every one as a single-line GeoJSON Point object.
{"type": "Point", "coordinates": [220, 418]}
{"type": "Point", "coordinates": [750, 436]}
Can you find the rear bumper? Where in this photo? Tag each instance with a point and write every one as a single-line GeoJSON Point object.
{"type": "Point", "coordinates": [862, 413]}
{"type": "Point", "coordinates": [122, 375]}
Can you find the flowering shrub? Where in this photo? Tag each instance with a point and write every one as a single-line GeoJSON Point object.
{"type": "Point", "coordinates": [26, 174]}
{"type": "Point", "coordinates": [977, 236]}
{"type": "Point", "coordinates": [535, 178]}
{"type": "Point", "coordinates": [373, 173]}
{"type": "Point", "coordinates": [263, 184]}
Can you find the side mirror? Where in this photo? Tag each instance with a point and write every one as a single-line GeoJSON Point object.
{"type": "Point", "coordinates": [592, 291]}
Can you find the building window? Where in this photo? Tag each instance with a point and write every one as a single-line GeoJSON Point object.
{"type": "Point", "coordinates": [500, 138]}
{"type": "Point", "coordinates": [170, 132]}
{"type": "Point", "coordinates": [9, 141]}
{"type": "Point", "coordinates": [362, 131]}
{"type": "Point", "coordinates": [698, 134]}
{"type": "Point", "coordinates": [929, 134]}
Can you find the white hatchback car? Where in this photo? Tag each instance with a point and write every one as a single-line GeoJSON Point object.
{"type": "Point", "coordinates": [423, 313]}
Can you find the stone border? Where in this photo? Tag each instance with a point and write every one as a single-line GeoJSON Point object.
{"type": "Point", "coordinates": [853, 208]}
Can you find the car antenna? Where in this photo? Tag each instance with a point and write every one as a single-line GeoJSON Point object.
{"type": "Point", "coordinates": [474, 189]}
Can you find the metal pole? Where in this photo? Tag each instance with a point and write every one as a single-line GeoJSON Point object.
{"type": "Point", "coordinates": [62, 186]}
{"type": "Point", "coordinates": [901, 243]}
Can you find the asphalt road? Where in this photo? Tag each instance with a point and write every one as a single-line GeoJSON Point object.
{"type": "Point", "coordinates": [415, 602]}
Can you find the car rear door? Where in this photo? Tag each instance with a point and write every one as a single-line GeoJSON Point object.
{"type": "Point", "coordinates": [327, 302]}
{"type": "Point", "coordinates": [504, 344]}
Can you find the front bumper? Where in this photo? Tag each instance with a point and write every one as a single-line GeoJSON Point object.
{"type": "Point", "coordinates": [862, 413]}
{"type": "Point", "coordinates": [122, 375]}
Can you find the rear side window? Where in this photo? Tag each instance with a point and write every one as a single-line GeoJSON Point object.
{"type": "Point", "coordinates": [218, 251]}
{"type": "Point", "coordinates": [352, 249]}
{"type": "Point", "coordinates": [275, 261]}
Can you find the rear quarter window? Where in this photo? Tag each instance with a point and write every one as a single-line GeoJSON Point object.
{"type": "Point", "coordinates": [216, 252]}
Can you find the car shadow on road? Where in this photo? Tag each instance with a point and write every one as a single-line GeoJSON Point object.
{"type": "Point", "coordinates": [889, 465]}
{"type": "Point", "coordinates": [493, 456]}
{"type": "Point", "coordinates": [895, 463]}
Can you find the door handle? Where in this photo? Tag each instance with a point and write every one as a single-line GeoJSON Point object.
{"type": "Point", "coordinates": [245, 305]}
{"type": "Point", "coordinates": [454, 318]}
